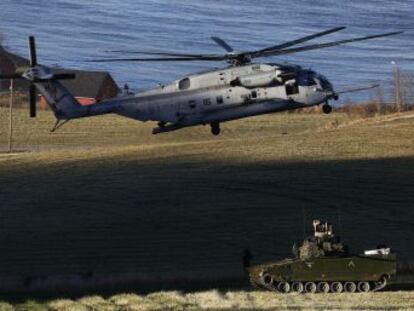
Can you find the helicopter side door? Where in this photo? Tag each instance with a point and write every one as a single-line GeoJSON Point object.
{"type": "Point", "coordinates": [292, 88]}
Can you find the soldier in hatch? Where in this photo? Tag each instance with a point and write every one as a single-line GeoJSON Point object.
{"type": "Point", "coordinates": [322, 243]}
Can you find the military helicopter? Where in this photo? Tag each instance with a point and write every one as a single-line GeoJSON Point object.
{"type": "Point", "coordinates": [240, 90]}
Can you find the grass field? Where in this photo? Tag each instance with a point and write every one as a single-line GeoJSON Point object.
{"type": "Point", "coordinates": [231, 300]}
{"type": "Point", "coordinates": [103, 203]}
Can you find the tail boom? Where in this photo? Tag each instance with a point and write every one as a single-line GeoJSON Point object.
{"type": "Point", "coordinates": [65, 106]}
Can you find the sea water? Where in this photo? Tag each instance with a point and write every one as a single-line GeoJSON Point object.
{"type": "Point", "coordinates": [70, 32]}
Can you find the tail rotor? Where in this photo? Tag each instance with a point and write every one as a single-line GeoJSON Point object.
{"type": "Point", "coordinates": [35, 73]}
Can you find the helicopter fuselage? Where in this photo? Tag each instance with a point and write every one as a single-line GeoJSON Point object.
{"type": "Point", "coordinates": [225, 94]}
{"type": "Point", "coordinates": [210, 97]}
{"type": "Point", "coordinates": [241, 90]}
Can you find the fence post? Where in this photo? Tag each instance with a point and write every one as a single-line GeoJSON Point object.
{"type": "Point", "coordinates": [10, 149]}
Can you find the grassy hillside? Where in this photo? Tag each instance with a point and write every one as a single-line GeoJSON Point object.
{"type": "Point", "coordinates": [115, 131]}
{"type": "Point", "coordinates": [104, 202]}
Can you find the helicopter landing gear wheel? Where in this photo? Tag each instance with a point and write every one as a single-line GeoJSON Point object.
{"type": "Point", "coordinates": [215, 128]}
{"type": "Point", "coordinates": [326, 108]}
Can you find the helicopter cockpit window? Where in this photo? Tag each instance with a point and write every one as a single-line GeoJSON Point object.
{"type": "Point", "coordinates": [307, 79]}
{"type": "Point", "coordinates": [325, 84]}
{"type": "Point", "coordinates": [184, 84]}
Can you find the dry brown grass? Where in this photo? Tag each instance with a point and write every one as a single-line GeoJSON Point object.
{"type": "Point", "coordinates": [214, 300]}
{"type": "Point", "coordinates": [226, 301]}
{"type": "Point", "coordinates": [115, 131]}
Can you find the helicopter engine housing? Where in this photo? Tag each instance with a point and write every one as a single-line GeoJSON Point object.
{"type": "Point", "coordinates": [257, 80]}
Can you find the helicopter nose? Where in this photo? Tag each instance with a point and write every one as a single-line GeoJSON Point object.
{"type": "Point", "coordinates": [326, 85]}
{"type": "Point", "coordinates": [327, 88]}
{"type": "Point", "coordinates": [330, 94]}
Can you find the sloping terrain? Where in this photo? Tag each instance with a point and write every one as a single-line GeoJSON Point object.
{"type": "Point", "coordinates": [104, 202]}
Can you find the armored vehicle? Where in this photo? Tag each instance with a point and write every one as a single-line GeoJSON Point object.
{"type": "Point", "coordinates": [323, 264]}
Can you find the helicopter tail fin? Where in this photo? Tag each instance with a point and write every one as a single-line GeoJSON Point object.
{"type": "Point", "coordinates": [63, 104]}
{"type": "Point", "coordinates": [42, 79]}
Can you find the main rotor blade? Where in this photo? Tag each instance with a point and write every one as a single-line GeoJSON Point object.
{"type": "Point", "coordinates": [223, 44]}
{"type": "Point", "coordinates": [174, 54]}
{"type": "Point", "coordinates": [32, 51]}
{"type": "Point", "coordinates": [357, 88]}
{"type": "Point", "coordinates": [32, 100]}
{"type": "Point", "coordinates": [322, 45]}
{"type": "Point", "coordinates": [303, 39]}
{"type": "Point", "coordinates": [171, 59]}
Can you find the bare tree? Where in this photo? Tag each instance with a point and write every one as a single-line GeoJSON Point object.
{"type": "Point", "coordinates": [397, 87]}
{"type": "Point", "coordinates": [379, 99]}
{"type": "Point", "coordinates": [407, 89]}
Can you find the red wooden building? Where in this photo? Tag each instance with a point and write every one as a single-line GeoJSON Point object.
{"type": "Point", "coordinates": [88, 87]}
